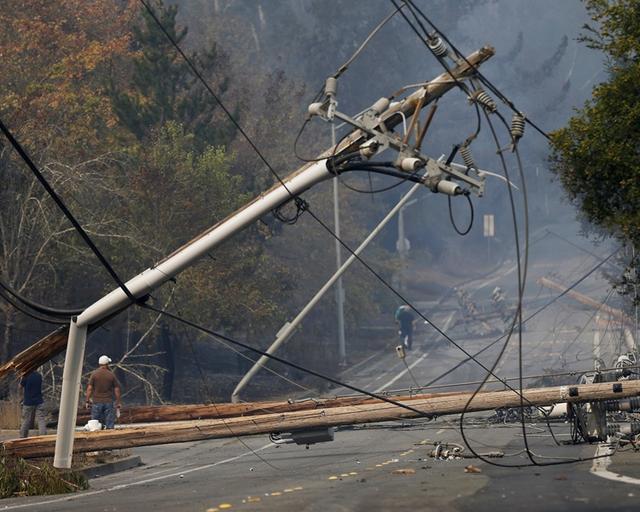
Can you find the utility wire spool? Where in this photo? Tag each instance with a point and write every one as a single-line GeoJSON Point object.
{"type": "Point", "coordinates": [482, 98]}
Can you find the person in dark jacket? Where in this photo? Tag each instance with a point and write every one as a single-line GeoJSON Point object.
{"type": "Point", "coordinates": [32, 404]}
{"type": "Point", "coordinates": [406, 318]}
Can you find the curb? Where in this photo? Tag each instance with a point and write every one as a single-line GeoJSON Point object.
{"type": "Point", "coordinates": [112, 467]}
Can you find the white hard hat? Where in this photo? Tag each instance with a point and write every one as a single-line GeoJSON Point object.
{"type": "Point", "coordinates": [104, 360]}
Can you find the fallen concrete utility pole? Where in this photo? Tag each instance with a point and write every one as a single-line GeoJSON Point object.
{"type": "Point", "coordinates": [587, 301]}
{"type": "Point", "coordinates": [439, 405]}
{"type": "Point", "coordinates": [383, 119]}
{"type": "Point", "coordinates": [52, 345]}
{"type": "Point", "coordinates": [157, 413]}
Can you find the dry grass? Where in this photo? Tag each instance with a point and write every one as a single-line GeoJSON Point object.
{"type": "Point", "coordinates": [10, 412]}
{"type": "Point", "coordinates": [21, 478]}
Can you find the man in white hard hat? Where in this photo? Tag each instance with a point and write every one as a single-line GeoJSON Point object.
{"type": "Point", "coordinates": [103, 388]}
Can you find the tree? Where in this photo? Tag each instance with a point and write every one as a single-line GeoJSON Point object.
{"type": "Point", "coordinates": [54, 56]}
{"type": "Point", "coordinates": [157, 86]}
{"type": "Point", "coordinates": [596, 155]}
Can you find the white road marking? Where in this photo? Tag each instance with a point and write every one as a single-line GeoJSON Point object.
{"type": "Point", "coordinates": [366, 360]}
{"type": "Point", "coordinates": [421, 358]}
{"type": "Point", "coordinates": [599, 467]}
{"type": "Point", "coordinates": [132, 484]}
{"type": "Point", "coordinates": [401, 374]}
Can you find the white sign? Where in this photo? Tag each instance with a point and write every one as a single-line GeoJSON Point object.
{"type": "Point", "coordinates": [489, 227]}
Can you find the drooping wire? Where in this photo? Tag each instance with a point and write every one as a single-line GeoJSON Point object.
{"type": "Point", "coordinates": [40, 308]}
{"type": "Point", "coordinates": [521, 273]}
{"type": "Point", "coordinates": [273, 357]}
{"type": "Point", "coordinates": [453, 222]}
{"type": "Point", "coordinates": [309, 210]}
{"type": "Point", "coordinates": [31, 314]}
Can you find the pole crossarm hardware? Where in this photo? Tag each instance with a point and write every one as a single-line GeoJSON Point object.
{"type": "Point", "coordinates": [292, 186]}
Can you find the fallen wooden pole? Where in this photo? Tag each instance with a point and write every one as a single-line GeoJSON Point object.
{"type": "Point", "coordinates": [587, 301]}
{"type": "Point", "coordinates": [43, 446]}
{"type": "Point", "coordinates": [187, 412]}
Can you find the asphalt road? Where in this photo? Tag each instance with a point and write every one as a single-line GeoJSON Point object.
{"type": "Point", "coordinates": [388, 466]}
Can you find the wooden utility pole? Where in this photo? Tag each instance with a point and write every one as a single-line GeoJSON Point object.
{"type": "Point", "coordinates": [436, 405]}
{"type": "Point", "coordinates": [186, 412]}
{"type": "Point", "coordinates": [587, 301]}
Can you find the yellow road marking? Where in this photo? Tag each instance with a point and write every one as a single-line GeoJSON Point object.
{"type": "Point", "coordinates": [277, 493]}
{"type": "Point", "coordinates": [224, 506]}
{"type": "Point", "coordinates": [333, 477]}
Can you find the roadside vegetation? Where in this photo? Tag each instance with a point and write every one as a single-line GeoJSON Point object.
{"type": "Point", "coordinates": [21, 478]}
{"type": "Point", "coordinates": [596, 155]}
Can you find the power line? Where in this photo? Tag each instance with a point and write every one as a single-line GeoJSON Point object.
{"type": "Point", "coordinates": [281, 360]}
{"type": "Point", "coordinates": [39, 307]}
{"type": "Point", "coordinates": [87, 239]}
{"type": "Point", "coordinates": [295, 198]}
{"type": "Point", "coordinates": [31, 314]}
{"type": "Point", "coordinates": [480, 75]}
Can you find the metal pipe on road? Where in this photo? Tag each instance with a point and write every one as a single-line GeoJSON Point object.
{"type": "Point", "coordinates": [289, 327]}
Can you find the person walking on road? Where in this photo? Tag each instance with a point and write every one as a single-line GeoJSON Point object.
{"type": "Point", "coordinates": [406, 318]}
{"type": "Point", "coordinates": [103, 388]}
{"type": "Point", "coordinates": [32, 404]}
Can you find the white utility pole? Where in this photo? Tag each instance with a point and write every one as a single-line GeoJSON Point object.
{"type": "Point", "coordinates": [342, 343]}
{"type": "Point", "coordinates": [292, 186]}
{"type": "Point", "coordinates": [402, 245]}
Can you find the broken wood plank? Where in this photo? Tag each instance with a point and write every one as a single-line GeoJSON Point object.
{"type": "Point", "coordinates": [37, 354]}
{"type": "Point", "coordinates": [43, 446]}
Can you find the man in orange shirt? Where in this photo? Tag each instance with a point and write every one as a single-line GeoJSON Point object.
{"type": "Point", "coordinates": [102, 389]}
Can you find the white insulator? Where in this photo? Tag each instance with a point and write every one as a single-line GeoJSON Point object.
{"type": "Point", "coordinates": [449, 188]}
{"type": "Point", "coordinates": [331, 86]}
{"type": "Point", "coordinates": [368, 149]}
{"type": "Point", "coordinates": [482, 98]}
{"type": "Point", "coordinates": [381, 105]}
{"type": "Point", "coordinates": [467, 157]}
{"type": "Point", "coordinates": [438, 47]}
{"type": "Point", "coordinates": [411, 164]}
{"type": "Point", "coordinates": [316, 109]}
{"type": "Point", "coordinates": [517, 126]}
